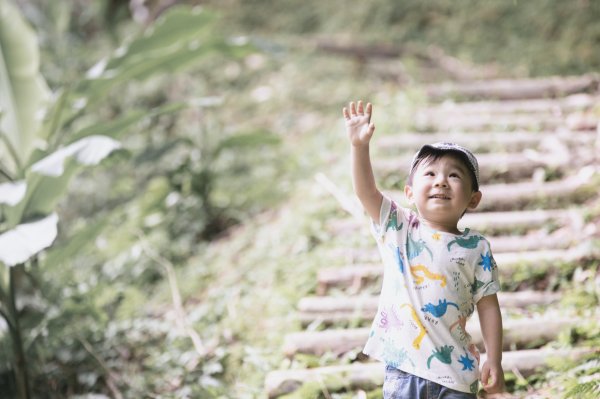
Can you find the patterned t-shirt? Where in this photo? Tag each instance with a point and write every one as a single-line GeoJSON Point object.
{"type": "Point", "coordinates": [431, 283]}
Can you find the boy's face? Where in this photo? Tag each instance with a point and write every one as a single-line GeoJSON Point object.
{"type": "Point", "coordinates": [442, 190]}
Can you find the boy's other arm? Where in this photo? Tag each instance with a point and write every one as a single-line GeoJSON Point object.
{"type": "Point", "coordinates": [360, 129]}
{"type": "Point", "coordinates": [490, 320]}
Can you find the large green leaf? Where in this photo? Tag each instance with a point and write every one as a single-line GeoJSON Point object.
{"type": "Point", "coordinates": [48, 178]}
{"type": "Point", "coordinates": [117, 127]}
{"type": "Point", "coordinates": [23, 91]}
{"type": "Point", "coordinates": [12, 193]}
{"type": "Point", "coordinates": [25, 240]}
{"type": "Point", "coordinates": [176, 38]}
{"type": "Point", "coordinates": [177, 26]}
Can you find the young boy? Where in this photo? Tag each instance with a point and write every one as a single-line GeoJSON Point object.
{"type": "Point", "coordinates": [434, 274]}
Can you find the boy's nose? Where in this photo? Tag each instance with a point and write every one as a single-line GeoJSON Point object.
{"type": "Point", "coordinates": [441, 182]}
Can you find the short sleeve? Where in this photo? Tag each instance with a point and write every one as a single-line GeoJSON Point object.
{"type": "Point", "coordinates": [390, 218]}
{"type": "Point", "coordinates": [486, 273]}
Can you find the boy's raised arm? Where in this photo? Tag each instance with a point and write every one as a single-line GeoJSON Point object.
{"type": "Point", "coordinates": [360, 130]}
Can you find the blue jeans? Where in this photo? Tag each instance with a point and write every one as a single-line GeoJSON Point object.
{"type": "Point", "coordinates": [401, 385]}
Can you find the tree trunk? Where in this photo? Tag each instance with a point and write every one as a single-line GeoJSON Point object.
{"type": "Point", "coordinates": [21, 376]}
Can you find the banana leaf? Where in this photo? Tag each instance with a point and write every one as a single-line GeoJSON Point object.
{"type": "Point", "coordinates": [24, 94]}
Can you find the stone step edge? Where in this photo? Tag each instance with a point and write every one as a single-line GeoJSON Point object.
{"type": "Point", "coordinates": [370, 375]}
{"type": "Point", "coordinates": [339, 341]}
{"type": "Point", "coordinates": [513, 165]}
{"type": "Point", "coordinates": [516, 299]}
{"type": "Point", "coordinates": [478, 141]}
{"type": "Point", "coordinates": [511, 195]}
{"type": "Point", "coordinates": [482, 221]}
{"type": "Point", "coordinates": [515, 89]}
{"type": "Point", "coordinates": [493, 122]}
{"type": "Point", "coordinates": [508, 263]}
{"type": "Point", "coordinates": [324, 305]}
{"type": "Point", "coordinates": [569, 103]}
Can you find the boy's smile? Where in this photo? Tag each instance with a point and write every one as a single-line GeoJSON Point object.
{"type": "Point", "coordinates": [442, 190]}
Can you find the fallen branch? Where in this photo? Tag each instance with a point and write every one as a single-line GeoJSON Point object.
{"type": "Point", "coordinates": [181, 318]}
{"type": "Point", "coordinates": [348, 203]}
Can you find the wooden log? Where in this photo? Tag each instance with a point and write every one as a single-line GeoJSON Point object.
{"type": "Point", "coordinates": [432, 56]}
{"type": "Point", "coordinates": [355, 276]}
{"type": "Point", "coordinates": [561, 239]}
{"type": "Point", "coordinates": [484, 141]}
{"type": "Point", "coordinates": [354, 255]}
{"type": "Point", "coordinates": [319, 304]}
{"type": "Point", "coordinates": [364, 376]}
{"type": "Point", "coordinates": [534, 240]}
{"type": "Point", "coordinates": [340, 341]}
{"type": "Point", "coordinates": [318, 343]}
{"type": "Point", "coordinates": [507, 196]}
{"type": "Point", "coordinates": [479, 122]}
{"type": "Point", "coordinates": [520, 220]}
{"type": "Point", "coordinates": [554, 106]}
{"type": "Point", "coordinates": [508, 166]}
{"type": "Point", "coordinates": [359, 51]}
{"type": "Point", "coordinates": [518, 89]}
{"type": "Point", "coordinates": [489, 223]}
{"type": "Point", "coordinates": [370, 375]}
{"type": "Point", "coordinates": [330, 310]}
{"type": "Point", "coordinates": [536, 262]}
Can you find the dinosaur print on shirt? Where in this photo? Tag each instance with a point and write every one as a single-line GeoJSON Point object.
{"type": "Point", "coordinates": [393, 222]}
{"type": "Point", "coordinates": [420, 279]}
{"type": "Point", "coordinates": [470, 242]}
{"type": "Point", "coordinates": [431, 282]}
{"type": "Point", "coordinates": [414, 248]}
{"type": "Point", "coordinates": [440, 309]}
{"type": "Point", "coordinates": [443, 354]}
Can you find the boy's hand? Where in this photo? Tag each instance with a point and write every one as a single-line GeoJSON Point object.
{"type": "Point", "coordinates": [358, 124]}
{"type": "Point", "coordinates": [492, 377]}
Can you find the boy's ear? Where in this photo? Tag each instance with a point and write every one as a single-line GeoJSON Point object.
{"type": "Point", "coordinates": [409, 194]}
{"type": "Point", "coordinates": [475, 199]}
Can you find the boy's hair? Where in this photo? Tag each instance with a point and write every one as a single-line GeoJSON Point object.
{"type": "Point", "coordinates": [429, 154]}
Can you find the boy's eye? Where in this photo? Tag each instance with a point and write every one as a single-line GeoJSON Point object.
{"type": "Point", "coordinates": [429, 173]}
{"type": "Point", "coordinates": [454, 175]}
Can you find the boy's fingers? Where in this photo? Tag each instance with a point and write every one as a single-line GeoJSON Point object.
{"type": "Point", "coordinates": [345, 112]}
{"type": "Point", "coordinates": [485, 375]}
{"type": "Point", "coordinates": [352, 108]}
{"type": "Point", "coordinates": [369, 110]}
{"type": "Point", "coordinates": [360, 107]}
{"type": "Point", "coordinates": [371, 129]}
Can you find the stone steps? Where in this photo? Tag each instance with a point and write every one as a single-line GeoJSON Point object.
{"type": "Point", "coordinates": [479, 122]}
{"type": "Point", "coordinates": [508, 196]}
{"type": "Point", "coordinates": [539, 154]}
{"type": "Point", "coordinates": [368, 376]}
{"type": "Point", "coordinates": [554, 106]}
{"type": "Point", "coordinates": [517, 332]}
{"type": "Point", "coordinates": [514, 89]}
{"type": "Point", "coordinates": [331, 310]}
{"type": "Point", "coordinates": [490, 222]}
{"type": "Point", "coordinates": [482, 142]}
{"type": "Point", "coordinates": [510, 167]}
{"type": "Point", "coordinates": [536, 262]}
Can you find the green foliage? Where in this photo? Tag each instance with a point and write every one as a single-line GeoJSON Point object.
{"type": "Point", "coordinates": [571, 380]}
{"type": "Point", "coordinates": [585, 390]}
{"type": "Point", "coordinates": [537, 38]}
{"type": "Point", "coordinates": [44, 174]}
{"type": "Point", "coordinates": [23, 92]}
